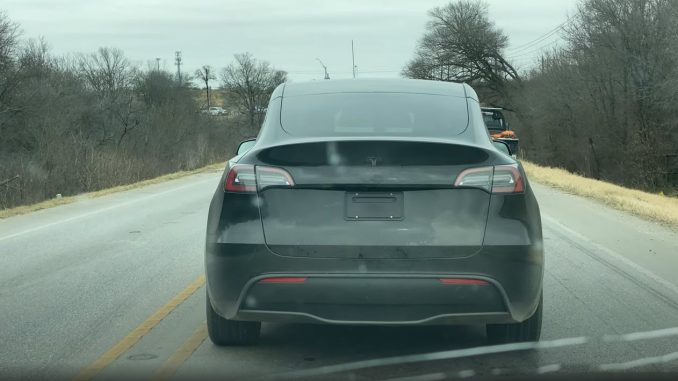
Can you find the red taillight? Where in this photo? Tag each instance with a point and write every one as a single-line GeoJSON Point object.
{"type": "Point", "coordinates": [497, 179]}
{"type": "Point", "coordinates": [246, 178]}
{"type": "Point", "coordinates": [241, 178]}
{"type": "Point", "coordinates": [465, 281]}
{"type": "Point", "coordinates": [283, 280]}
{"type": "Point", "coordinates": [507, 179]}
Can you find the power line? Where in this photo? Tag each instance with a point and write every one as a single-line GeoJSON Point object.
{"type": "Point", "coordinates": [538, 39]}
{"type": "Point", "coordinates": [538, 49]}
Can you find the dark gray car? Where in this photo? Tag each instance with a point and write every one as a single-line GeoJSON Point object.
{"type": "Point", "coordinates": [374, 202]}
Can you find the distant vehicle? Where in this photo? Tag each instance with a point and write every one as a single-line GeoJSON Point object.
{"type": "Point", "coordinates": [373, 202]}
{"type": "Point", "coordinates": [215, 111]}
{"type": "Point", "coordinates": [498, 127]}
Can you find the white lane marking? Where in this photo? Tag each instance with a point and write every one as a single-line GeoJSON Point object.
{"type": "Point", "coordinates": [640, 362]}
{"type": "Point", "coordinates": [102, 210]}
{"type": "Point", "coordinates": [422, 377]}
{"type": "Point", "coordinates": [466, 373]}
{"type": "Point", "coordinates": [549, 368]}
{"type": "Point", "coordinates": [445, 355]}
{"type": "Point", "coordinates": [498, 371]}
{"type": "Point", "coordinates": [613, 254]}
{"type": "Point", "coordinates": [660, 333]}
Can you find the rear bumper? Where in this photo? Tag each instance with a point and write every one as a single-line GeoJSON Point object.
{"type": "Point", "coordinates": [369, 299]}
{"type": "Point", "coordinates": [395, 292]}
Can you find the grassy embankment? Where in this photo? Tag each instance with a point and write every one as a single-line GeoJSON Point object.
{"type": "Point", "coordinates": [5, 213]}
{"type": "Point", "coordinates": [655, 207]}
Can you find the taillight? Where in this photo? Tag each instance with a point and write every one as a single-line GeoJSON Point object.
{"type": "Point", "coordinates": [241, 178]}
{"type": "Point", "coordinates": [269, 177]}
{"type": "Point", "coordinates": [245, 178]}
{"type": "Point", "coordinates": [507, 179]}
{"type": "Point", "coordinates": [475, 178]}
{"type": "Point", "coordinates": [497, 179]}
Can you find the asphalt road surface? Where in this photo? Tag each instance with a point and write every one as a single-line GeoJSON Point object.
{"type": "Point", "coordinates": [113, 286]}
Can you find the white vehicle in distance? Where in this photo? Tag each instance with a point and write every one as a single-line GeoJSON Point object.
{"type": "Point", "coordinates": [215, 111]}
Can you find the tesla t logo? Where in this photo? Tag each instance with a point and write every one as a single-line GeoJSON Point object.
{"type": "Point", "coordinates": [373, 161]}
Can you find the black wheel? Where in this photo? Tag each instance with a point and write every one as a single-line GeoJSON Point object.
{"type": "Point", "coordinates": [529, 330]}
{"type": "Point", "coordinates": [230, 332]}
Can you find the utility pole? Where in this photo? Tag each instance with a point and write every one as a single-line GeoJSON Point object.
{"type": "Point", "coordinates": [177, 61]}
{"type": "Point", "coordinates": [353, 58]}
{"type": "Point", "coordinates": [327, 75]}
{"type": "Point", "coordinates": [157, 61]}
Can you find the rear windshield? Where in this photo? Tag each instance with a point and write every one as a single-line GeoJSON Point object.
{"type": "Point", "coordinates": [374, 114]}
{"type": "Point", "coordinates": [491, 123]}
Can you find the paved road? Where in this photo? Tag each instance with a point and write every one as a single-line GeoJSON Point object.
{"type": "Point", "coordinates": [112, 286]}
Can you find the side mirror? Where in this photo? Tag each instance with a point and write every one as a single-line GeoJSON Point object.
{"type": "Point", "coordinates": [245, 146]}
{"type": "Point", "coordinates": [502, 147]}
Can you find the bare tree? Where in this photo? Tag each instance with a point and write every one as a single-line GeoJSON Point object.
{"type": "Point", "coordinates": [251, 82]}
{"type": "Point", "coordinates": [77, 123]}
{"type": "Point", "coordinates": [461, 44]}
{"type": "Point", "coordinates": [107, 70]}
{"type": "Point", "coordinates": [110, 75]}
{"type": "Point", "coordinates": [205, 74]}
{"type": "Point", "coordinates": [9, 34]}
{"type": "Point", "coordinates": [604, 104]}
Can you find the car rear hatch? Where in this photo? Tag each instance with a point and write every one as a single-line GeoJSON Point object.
{"type": "Point", "coordinates": [371, 199]}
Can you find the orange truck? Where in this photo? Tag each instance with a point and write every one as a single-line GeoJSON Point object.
{"type": "Point", "coordinates": [498, 127]}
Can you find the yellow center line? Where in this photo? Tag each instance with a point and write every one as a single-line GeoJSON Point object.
{"type": "Point", "coordinates": [182, 354]}
{"type": "Point", "coordinates": [133, 337]}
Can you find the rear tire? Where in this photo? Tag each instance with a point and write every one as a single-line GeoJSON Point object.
{"type": "Point", "coordinates": [529, 330]}
{"type": "Point", "coordinates": [224, 332]}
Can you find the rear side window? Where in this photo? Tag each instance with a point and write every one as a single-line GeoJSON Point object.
{"type": "Point", "coordinates": [374, 114]}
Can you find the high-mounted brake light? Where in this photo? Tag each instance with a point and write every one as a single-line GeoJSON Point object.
{"type": "Point", "coordinates": [245, 178]}
{"type": "Point", "coordinates": [497, 179]}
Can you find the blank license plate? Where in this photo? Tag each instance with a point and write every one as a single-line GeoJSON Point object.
{"type": "Point", "coordinates": [374, 206]}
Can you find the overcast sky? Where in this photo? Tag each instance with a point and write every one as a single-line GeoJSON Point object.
{"type": "Point", "coordinates": [289, 34]}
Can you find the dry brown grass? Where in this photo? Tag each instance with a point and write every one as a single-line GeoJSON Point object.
{"type": "Point", "coordinates": [6, 213]}
{"type": "Point", "coordinates": [656, 207]}
{"type": "Point", "coordinates": [156, 180]}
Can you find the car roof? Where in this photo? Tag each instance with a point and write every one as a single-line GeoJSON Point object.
{"type": "Point", "coordinates": [415, 86]}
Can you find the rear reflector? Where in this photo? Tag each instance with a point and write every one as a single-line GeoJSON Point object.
{"type": "Point", "coordinates": [283, 280]}
{"type": "Point", "coordinates": [463, 281]}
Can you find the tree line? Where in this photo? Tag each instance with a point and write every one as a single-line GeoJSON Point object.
{"type": "Point", "coordinates": [601, 104]}
{"type": "Point", "coordinates": [83, 122]}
